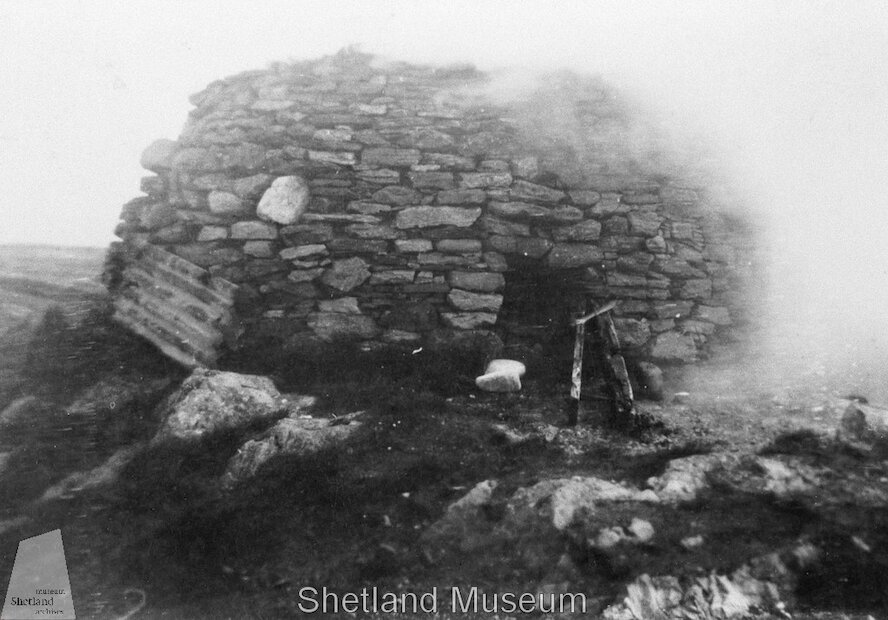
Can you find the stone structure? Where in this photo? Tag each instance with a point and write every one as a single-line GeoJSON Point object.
{"type": "Point", "coordinates": [349, 199]}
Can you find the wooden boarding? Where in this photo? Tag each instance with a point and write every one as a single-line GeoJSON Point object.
{"type": "Point", "coordinates": [176, 305]}
{"type": "Point", "coordinates": [617, 378]}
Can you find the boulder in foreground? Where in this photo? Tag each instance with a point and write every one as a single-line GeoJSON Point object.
{"type": "Point", "coordinates": [209, 401]}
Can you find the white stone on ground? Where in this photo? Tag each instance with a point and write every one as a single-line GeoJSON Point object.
{"type": "Point", "coordinates": [501, 376]}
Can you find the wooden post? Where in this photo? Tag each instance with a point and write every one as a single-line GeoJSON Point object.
{"type": "Point", "coordinates": [624, 398]}
{"type": "Point", "coordinates": [605, 308]}
{"type": "Point", "coordinates": [576, 375]}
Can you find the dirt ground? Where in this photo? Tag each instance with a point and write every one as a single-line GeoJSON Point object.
{"type": "Point", "coordinates": [163, 538]}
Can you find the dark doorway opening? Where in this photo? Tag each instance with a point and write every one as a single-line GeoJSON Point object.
{"type": "Point", "coordinates": [539, 304]}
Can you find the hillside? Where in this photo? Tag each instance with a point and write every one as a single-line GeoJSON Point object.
{"type": "Point", "coordinates": [736, 501]}
{"type": "Point", "coordinates": [32, 279]}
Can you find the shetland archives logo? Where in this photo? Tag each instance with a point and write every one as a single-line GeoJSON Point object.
{"type": "Point", "coordinates": [39, 586]}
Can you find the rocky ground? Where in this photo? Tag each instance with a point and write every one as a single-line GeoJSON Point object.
{"type": "Point", "coordinates": [215, 495]}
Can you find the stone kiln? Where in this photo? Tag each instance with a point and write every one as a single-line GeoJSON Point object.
{"type": "Point", "coordinates": [349, 199]}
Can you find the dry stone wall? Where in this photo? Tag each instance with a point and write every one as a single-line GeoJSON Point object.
{"type": "Point", "coordinates": [351, 199]}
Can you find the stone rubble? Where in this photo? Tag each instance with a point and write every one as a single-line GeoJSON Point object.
{"type": "Point", "coordinates": [534, 523]}
{"type": "Point", "coordinates": [290, 436]}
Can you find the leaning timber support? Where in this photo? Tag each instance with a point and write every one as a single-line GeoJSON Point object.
{"type": "Point", "coordinates": [616, 375]}
{"type": "Point", "coordinates": [576, 377]}
{"type": "Point", "coordinates": [576, 374]}
{"type": "Point", "coordinates": [624, 400]}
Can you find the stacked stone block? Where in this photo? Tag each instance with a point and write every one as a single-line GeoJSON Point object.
{"type": "Point", "coordinates": [382, 203]}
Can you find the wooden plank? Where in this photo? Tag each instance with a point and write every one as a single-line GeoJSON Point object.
{"type": "Point", "coordinates": [149, 272]}
{"type": "Point", "coordinates": [162, 335]}
{"type": "Point", "coordinates": [576, 375]}
{"type": "Point", "coordinates": [174, 352]}
{"type": "Point", "coordinates": [162, 330]}
{"type": "Point", "coordinates": [605, 308]}
{"type": "Point", "coordinates": [176, 305]}
{"type": "Point", "coordinates": [625, 399]}
{"type": "Point", "coordinates": [190, 270]}
{"type": "Point", "coordinates": [173, 313]}
{"type": "Point", "coordinates": [170, 331]}
{"type": "Point", "coordinates": [209, 313]}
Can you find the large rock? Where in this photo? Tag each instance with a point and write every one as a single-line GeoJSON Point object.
{"type": "Point", "coordinates": [462, 197]}
{"type": "Point", "coordinates": [465, 526]}
{"type": "Point", "coordinates": [346, 274]}
{"type": "Point", "coordinates": [650, 381]}
{"type": "Point", "coordinates": [209, 401]}
{"type": "Point", "coordinates": [531, 521]}
{"type": "Point", "coordinates": [590, 230]}
{"type": "Point", "coordinates": [483, 281]}
{"type": "Point", "coordinates": [501, 376]}
{"type": "Point", "coordinates": [466, 300]}
{"type": "Point", "coordinates": [645, 223]}
{"type": "Point", "coordinates": [714, 314]}
{"type": "Point", "coordinates": [425, 217]}
{"type": "Point", "coordinates": [520, 210]}
{"type": "Point", "coordinates": [158, 156]}
{"type": "Point", "coordinates": [864, 422]}
{"type": "Point", "coordinates": [685, 478]}
{"type": "Point", "coordinates": [678, 268]}
{"type": "Point", "coordinates": [426, 138]}
{"type": "Point", "coordinates": [530, 247]}
{"type": "Point", "coordinates": [572, 498]}
{"type": "Point", "coordinates": [497, 226]}
{"type": "Point", "coordinates": [459, 246]}
{"type": "Point", "coordinates": [431, 180]}
{"type": "Point", "coordinates": [290, 436]}
{"type": "Point", "coordinates": [787, 479]}
{"type": "Point", "coordinates": [469, 320]}
{"type": "Point", "coordinates": [568, 255]}
{"type": "Point", "coordinates": [253, 229]}
{"type": "Point", "coordinates": [726, 597]}
{"type": "Point", "coordinates": [344, 305]}
{"type": "Point", "coordinates": [475, 180]}
{"type": "Point", "coordinates": [226, 203]}
{"type": "Point", "coordinates": [396, 195]}
{"type": "Point", "coordinates": [334, 326]}
{"type": "Point", "coordinates": [284, 201]}
{"type": "Point", "coordinates": [524, 190]}
{"type": "Point", "coordinates": [584, 197]}
{"type": "Point", "coordinates": [390, 157]}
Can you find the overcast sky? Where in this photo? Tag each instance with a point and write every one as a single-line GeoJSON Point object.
{"type": "Point", "coordinates": [794, 95]}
